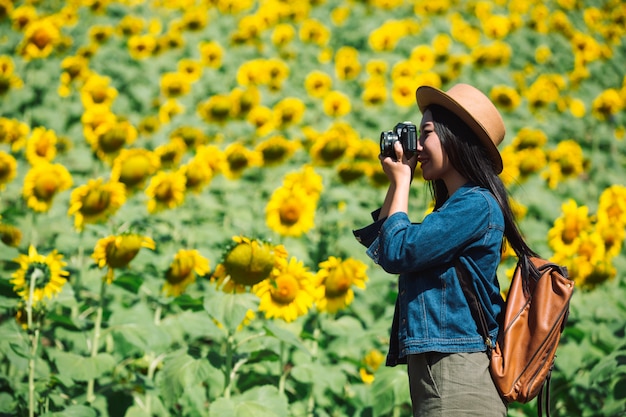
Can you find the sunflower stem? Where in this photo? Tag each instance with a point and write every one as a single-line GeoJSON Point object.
{"type": "Point", "coordinates": [37, 273]}
{"type": "Point", "coordinates": [314, 349]}
{"type": "Point", "coordinates": [96, 338]}
{"type": "Point", "coordinates": [228, 365]}
{"type": "Point", "coordinates": [282, 370]}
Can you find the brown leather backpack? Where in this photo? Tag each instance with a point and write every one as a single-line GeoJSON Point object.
{"type": "Point", "coordinates": [536, 311]}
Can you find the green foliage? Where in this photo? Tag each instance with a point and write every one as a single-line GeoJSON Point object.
{"type": "Point", "coordinates": [200, 354]}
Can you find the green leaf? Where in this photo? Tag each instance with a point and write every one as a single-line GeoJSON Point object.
{"type": "Point", "coordinates": [285, 336]}
{"type": "Point", "coordinates": [229, 309]}
{"type": "Point", "coordinates": [390, 388]}
{"type": "Point", "coordinates": [74, 411]}
{"type": "Point", "coordinates": [81, 368]}
{"type": "Point", "coordinates": [345, 325]}
{"type": "Point", "coordinates": [186, 302]}
{"type": "Point", "coordinates": [7, 403]}
{"type": "Point", "coordinates": [130, 282]}
{"type": "Point", "coordinates": [264, 401]}
{"type": "Point", "coordinates": [181, 371]}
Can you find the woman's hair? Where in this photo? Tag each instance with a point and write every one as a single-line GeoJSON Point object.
{"type": "Point", "coordinates": [471, 160]}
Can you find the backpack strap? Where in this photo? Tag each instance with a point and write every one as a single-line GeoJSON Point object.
{"type": "Point", "coordinates": [475, 305]}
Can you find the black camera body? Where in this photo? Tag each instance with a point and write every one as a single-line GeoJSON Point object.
{"type": "Point", "coordinates": [406, 133]}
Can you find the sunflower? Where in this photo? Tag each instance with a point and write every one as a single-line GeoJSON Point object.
{"type": "Point", "coordinates": [116, 252]}
{"type": "Point", "coordinates": [291, 211]}
{"type": "Point", "coordinates": [211, 54]}
{"type": "Point", "coordinates": [46, 272]}
{"type": "Point", "coordinates": [564, 236]}
{"type": "Point", "coordinates": [182, 271]}
{"type": "Point", "coordinates": [253, 73]}
{"type": "Point", "coordinates": [216, 109]}
{"type": "Point", "coordinates": [375, 92]}
{"type": "Point", "coordinates": [132, 167]}
{"type": "Point", "coordinates": [93, 117]}
{"type": "Point", "coordinates": [288, 293]}
{"type": "Point", "coordinates": [244, 100]}
{"type": "Point", "coordinates": [95, 201]}
{"type": "Point", "coordinates": [246, 263]}
{"type": "Point", "coordinates": [14, 133]}
{"type": "Point", "coordinates": [335, 280]}
{"type": "Point", "coordinates": [288, 111]}
{"type": "Point", "coordinates": [192, 136]}
{"type": "Point", "coordinates": [347, 65]}
{"type": "Point", "coordinates": [238, 158]}
{"type": "Point", "coordinates": [317, 83]}
{"type": "Point", "coordinates": [191, 68]}
{"type": "Point", "coordinates": [166, 191]}
{"type": "Point", "coordinates": [314, 31]}
{"type": "Point", "coordinates": [44, 181]}
{"type": "Point", "coordinates": [262, 118]}
{"type": "Point", "coordinates": [336, 104]}
{"type": "Point", "coordinates": [110, 138]}
{"type": "Point", "coordinates": [505, 97]}
{"type": "Point", "coordinates": [40, 38]}
{"type": "Point", "coordinates": [306, 178]}
{"type": "Point", "coordinates": [566, 161]}
{"type": "Point", "coordinates": [171, 153]}
{"type": "Point", "coordinates": [175, 84]}
{"type": "Point", "coordinates": [276, 150]}
{"type": "Point", "coordinates": [283, 34]}
{"type": "Point", "coordinates": [8, 79]}
{"type": "Point", "coordinates": [197, 174]}
{"type": "Point", "coordinates": [370, 364]}
{"type": "Point", "coordinates": [8, 169]}
{"type": "Point", "coordinates": [168, 109]}
{"type": "Point", "coordinates": [329, 147]}
{"type": "Point", "coordinates": [41, 146]}
{"type": "Point", "coordinates": [10, 235]}
{"type": "Point", "coordinates": [212, 156]}
{"type": "Point", "coordinates": [97, 91]}
{"type": "Point", "coordinates": [613, 204]}
{"type": "Point", "coordinates": [141, 46]}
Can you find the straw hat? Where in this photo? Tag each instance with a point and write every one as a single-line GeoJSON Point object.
{"type": "Point", "coordinates": [474, 108]}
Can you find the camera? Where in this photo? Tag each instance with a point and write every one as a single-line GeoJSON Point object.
{"type": "Point", "coordinates": [406, 133]}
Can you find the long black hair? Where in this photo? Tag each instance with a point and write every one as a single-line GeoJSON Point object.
{"type": "Point", "coordinates": [470, 158]}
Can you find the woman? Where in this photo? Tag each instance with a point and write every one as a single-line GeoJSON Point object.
{"type": "Point", "coordinates": [433, 330]}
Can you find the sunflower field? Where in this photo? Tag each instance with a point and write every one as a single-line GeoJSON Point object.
{"type": "Point", "coordinates": [179, 182]}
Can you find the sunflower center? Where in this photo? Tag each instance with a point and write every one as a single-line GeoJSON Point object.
{"type": "Point", "coordinates": [119, 255]}
{"type": "Point", "coordinates": [249, 264]}
{"type": "Point", "coordinates": [290, 212]}
{"type": "Point", "coordinates": [134, 171]}
{"type": "Point", "coordinates": [46, 187]}
{"type": "Point", "coordinates": [237, 162]}
{"type": "Point", "coordinates": [164, 192]}
{"type": "Point", "coordinates": [5, 168]}
{"type": "Point", "coordinates": [337, 283]}
{"type": "Point", "coordinates": [95, 202]}
{"type": "Point", "coordinates": [180, 270]}
{"type": "Point", "coordinates": [333, 150]}
{"type": "Point", "coordinates": [41, 38]}
{"type": "Point", "coordinates": [5, 84]}
{"type": "Point", "coordinates": [285, 289]}
{"type": "Point", "coordinates": [113, 140]}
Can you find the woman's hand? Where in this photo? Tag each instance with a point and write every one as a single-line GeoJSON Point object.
{"type": "Point", "coordinates": [400, 169]}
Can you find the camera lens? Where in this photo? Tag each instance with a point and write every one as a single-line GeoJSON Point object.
{"type": "Point", "coordinates": [387, 139]}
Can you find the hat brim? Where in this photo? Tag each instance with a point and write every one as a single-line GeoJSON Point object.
{"type": "Point", "coordinates": [427, 95]}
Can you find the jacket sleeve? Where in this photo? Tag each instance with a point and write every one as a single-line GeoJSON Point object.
{"type": "Point", "coordinates": [368, 234]}
{"type": "Point", "coordinates": [404, 247]}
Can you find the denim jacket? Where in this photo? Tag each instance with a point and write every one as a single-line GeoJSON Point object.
{"type": "Point", "coordinates": [431, 311]}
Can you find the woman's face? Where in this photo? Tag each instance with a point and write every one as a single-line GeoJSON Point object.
{"type": "Point", "coordinates": [433, 159]}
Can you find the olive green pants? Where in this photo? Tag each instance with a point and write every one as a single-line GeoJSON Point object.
{"type": "Point", "coordinates": [453, 385]}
